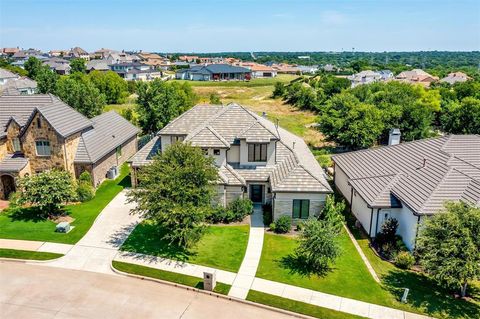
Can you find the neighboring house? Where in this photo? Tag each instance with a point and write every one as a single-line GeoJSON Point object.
{"type": "Point", "coordinates": [284, 68]}
{"type": "Point", "coordinates": [8, 52]}
{"type": "Point", "coordinates": [40, 132]}
{"type": "Point", "coordinates": [97, 65]}
{"type": "Point", "coordinates": [58, 53]}
{"type": "Point", "coordinates": [78, 53]}
{"type": "Point", "coordinates": [260, 70]}
{"type": "Point", "coordinates": [103, 53]}
{"type": "Point", "coordinates": [154, 60]}
{"type": "Point", "coordinates": [25, 54]}
{"type": "Point", "coordinates": [386, 75]}
{"type": "Point", "coordinates": [20, 86]}
{"type": "Point", "coordinates": [214, 72]}
{"type": "Point", "coordinates": [455, 77]}
{"type": "Point", "coordinates": [255, 159]}
{"type": "Point", "coordinates": [188, 58]}
{"type": "Point", "coordinates": [310, 69]}
{"type": "Point", "coordinates": [365, 77]}
{"type": "Point", "coordinates": [136, 71]}
{"type": "Point", "coordinates": [7, 76]}
{"type": "Point", "coordinates": [121, 57]}
{"type": "Point", "coordinates": [416, 76]}
{"type": "Point", "coordinates": [409, 181]}
{"type": "Point", "coordinates": [58, 65]}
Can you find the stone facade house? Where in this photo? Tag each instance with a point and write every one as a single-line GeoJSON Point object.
{"type": "Point", "coordinates": [256, 159]}
{"type": "Point", "coordinates": [409, 181]}
{"type": "Point", "coordinates": [40, 132]}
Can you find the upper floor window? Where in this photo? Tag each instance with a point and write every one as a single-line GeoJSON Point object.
{"type": "Point", "coordinates": [216, 151]}
{"type": "Point", "coordinates": [257, 152]}
{"type": "Point", "coordinates": [301, 208]}
{"type": "Point", "coordinates": [205, 151]}
{"type": "Point", "coordinates": [43, 148]}
{"type": "Point", "coordinates": [177, 139]}
{"type": "Point", "coordinates": [16, 145]}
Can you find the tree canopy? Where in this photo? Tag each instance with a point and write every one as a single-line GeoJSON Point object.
{"type": "Point", "coordinates": [46, 80]}
{"type": "Point", "coordinates": [32, 66]}
{"type": "Point", "coordinates": [448, 246]}
{"type": "Point", "coordinates": [111, 85]}
{"type": "Point", "coordinates": [78, 65]}
{"type": "Point", "coordinates": [176, 191]}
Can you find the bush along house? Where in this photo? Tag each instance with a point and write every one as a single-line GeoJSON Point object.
{"type": "Point", "coordinates": [256, 159]}
{"type": "Point", "coordinates": [40, 132]}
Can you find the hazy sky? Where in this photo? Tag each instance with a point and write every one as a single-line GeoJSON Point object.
{"type": "Point", "coordinates": [242, 25]}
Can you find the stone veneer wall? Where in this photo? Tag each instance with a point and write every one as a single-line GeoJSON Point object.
{"type": "Point", "coordinates": [101, 167]}
{"type": "Point", "coordinates": [12, 132]}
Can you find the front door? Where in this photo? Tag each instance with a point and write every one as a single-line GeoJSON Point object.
{"type": "Point", "coordinates": [256, 193]}
{"type": "Point", "coordinates": [8, 184]}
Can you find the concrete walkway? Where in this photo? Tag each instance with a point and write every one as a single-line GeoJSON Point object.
{"type": "Point", "coordinates": [246, 274]}
{"type": "Point", "coordinates": [35, 246]}
{"type": "Point", "coordinates": [96, 250]}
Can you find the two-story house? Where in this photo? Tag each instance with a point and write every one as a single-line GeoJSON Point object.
{"type": "Point", "coordinates": [39, 132]}
{"type": "Point", "coordinates": [256, 159]}
{"type": "Point", "coordinates": [136, 71]}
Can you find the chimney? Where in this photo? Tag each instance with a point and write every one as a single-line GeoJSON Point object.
{"type": "Point", "coordinates": [394, 136]}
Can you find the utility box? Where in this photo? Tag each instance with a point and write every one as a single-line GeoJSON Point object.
{"type": "Point", "coordinates": [209, 280]}
{"type": "Point", "coordinates": [63, 227]}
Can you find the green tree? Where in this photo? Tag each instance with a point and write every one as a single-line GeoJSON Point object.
{"type": "Point", "coordinates": [78, 65]}
{"type": "Point", "coordinates": [332, 213]}
{"type": "Point", "coordinates": [462, 117]}
{"type": "Point", "coordinates": [278, 90]}
{"type": "Point", "coordinates": [46, 80]}
{"type": "Point", "coordinates": [448, 246]}
{"type": "Point", "coordinates": [32, 66]}
{"type": "Point", "coordinates": [78, 92]}
{"type": "Point", "coordinates": [111, 85]}
{"type": "Point", "coordinates": [176, 191]}
{"type": "Point", "coordinates": [48, 191]}
{"type": "Point", "coordinates": [159, 102]}
{"type": "Point", "coordinates": [318, 245]}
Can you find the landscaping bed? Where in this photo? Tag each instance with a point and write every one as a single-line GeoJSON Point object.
{"type": "Point", "coordinates": [25, 224]}
{"type": "Point", "coordinates": [27, 254]}
{"type": "Point", "coordinates": [186, 280]}
{"type": "Point", "coordinates": [222, 247]}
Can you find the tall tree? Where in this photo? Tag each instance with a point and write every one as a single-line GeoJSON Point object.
{"type": "Point", "coordinates": [448, 246]}
{"type": "Point", "coordinates": [462, 117]}
{"type": "Point", "coordinates": [176, 192]}
{"type": "Point", "coordinates": [78, 65]}
{"type": "Point", "coordinates": [78, 92]}
{"type": "Point", "coordinates": [32, 65]}
{"type": "Point", "coordinates": [111, 85]}
{"type": "Point", "coordinates": [46, 80]}
{"type": "Point", "coordinates": [159, 102]}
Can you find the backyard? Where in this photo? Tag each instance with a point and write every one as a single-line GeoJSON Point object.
{"type": "Point", "coordinates": [24, 223]}
{"type": "Point", "coordinates": [222, 247]}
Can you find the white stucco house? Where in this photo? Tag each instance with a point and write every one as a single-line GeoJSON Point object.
{"type": "Point", "coordinates": [255, 158]}
{"type": "Point", "coordinates": [7, 76]}
{"type": "Point", "coordinates": [409, 181]}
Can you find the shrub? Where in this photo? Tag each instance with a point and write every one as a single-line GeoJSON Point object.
{"type": "Point", "coordinates": [220, 215]}
{"type": "Point", "coordinates": [85, 191]}
{"type": "Point", "coordinates": [404, 260]}
{"type": "Point", "coordinates": [267, 214]}
{"type": "Point", "coordinates": [85, 177]}
{"type": "Point", "coordinates": [387, 234]}
{"type": "Point", "coordinates": [272, 226]}
{"type": "Point", "coordinates": [300, 226]}
{"type": "Point", "coordinates": [283, 224]}
{"type": "Point", "coordinates": [240, 208]}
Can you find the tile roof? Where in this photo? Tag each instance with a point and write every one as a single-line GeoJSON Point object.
{"type": "Point", "coordinates": [295, 170]}
{"type": "Point", "coordinates": [20, 83]}
{"type": "Point", "coordinates": [5, 74]}
{"type": "Point", "coordinates": [145, 155]}
{"type": "Point", "coordinates": [422, 174]}
{"type": "Point", "coordinates": [110, 130]}
{"type": "Point", "coordinates": [13, 163]}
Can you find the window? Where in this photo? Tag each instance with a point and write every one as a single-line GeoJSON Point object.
{"type": "Point", "coordinates": [119, 151]}
{"type": "Point", "coordinates": [39, 122]}
{"type": "Point", "coordinates": [177, 139]}
{"type": "Point", "coordinates": [205, 151]}
{"type": "Point", "coordinates": [43, 148]}
{"type": "Point", "coordinates": [16, 145]}
{"type": "Point", "coordinates": [216, 151]}
{"type": "Point", "coordinates": [301, 208]}
{"type": "Point", "coordinates": [257, 152]}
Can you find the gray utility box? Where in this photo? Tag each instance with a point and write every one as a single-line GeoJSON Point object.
{"type": "Point", "coordinates": [209, 280]}
{"type": "Point", "coordinates": [63, 227]}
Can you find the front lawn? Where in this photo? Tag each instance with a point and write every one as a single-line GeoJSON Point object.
{"type": "Point", "coordinates": [24, 224]}
{"type": "Point", "coordinates": [186, 280]}
{"type": "Point", "coordinates": [222, 247]}
{"type": "Point", "coordinates": [27, 254]}
{"type": "Point", "coordinates": [349, 277]}
{"type": "Point", "coordinates": [297, 306]}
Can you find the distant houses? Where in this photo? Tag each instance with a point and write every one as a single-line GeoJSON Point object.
{"type": "Point", "coordinates": [416, 76]}
{"type": "Point", "coordinates": [214, 72]}
{"type": "Point", "coordinates": [136, 71]}
{"type": "Point", "coordinates": [13, 84]}
{"type": "Point", "coordinates": [455, 77]}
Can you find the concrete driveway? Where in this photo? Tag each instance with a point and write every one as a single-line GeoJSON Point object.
{"type": "Point", "coordinates": [32, 291]}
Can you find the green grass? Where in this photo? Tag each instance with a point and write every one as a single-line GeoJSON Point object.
{"type": "Point", "coordinates": [222, 247]}
{"type": "Point", "coordinates": [24, 223]}
{"type": "Point", "coordinates": [186, 280]}
{"type": "Point", "coordinates": [27, 254]}
{"type": "Point", "coordinates": [348, 278]}
{"type": "Point", "coordinates": [297, 306]}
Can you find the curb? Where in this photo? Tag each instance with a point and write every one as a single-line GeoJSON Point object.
{"type": "Point", "coordinates": [211, 293]}
{"type": "Point", "coordinates": [16, 260]}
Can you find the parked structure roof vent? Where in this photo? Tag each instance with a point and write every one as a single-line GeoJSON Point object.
{"type": "Point", "coordinates": [394, 136]}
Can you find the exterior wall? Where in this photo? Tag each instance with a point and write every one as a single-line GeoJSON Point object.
{"type": "Point", "coordinates": [341, 182]}
{"type": "Point", "coordinates": [220, 160]}
{"type": "Point", "coordinates": [407, 225]}
{"type": "Point", "coordinates": [233, 154]}
{"type": "Point", "coordinates": [244, 154]}
{"type": "Point", "coordinates": [100, 168]}
{"type": "Point", "coordinates": [12, 132]}
{"type": "Point", "coordinates": [45, 132]}
{"type": "Point", "coordinates": [70, 149]}
{"type": "Point", "coordinates": [166, 140]}
{"type": "Point", "coordinates": [232, 193]}
{"type": "Point", "coordinates": [363, 213]}
{"type": "Point", "coordinates": [3, 149]}
{"type": "Point", "coordinates": [283, 203]}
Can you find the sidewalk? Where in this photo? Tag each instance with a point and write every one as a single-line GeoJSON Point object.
{"type": "Point", "coordinates": [246, 274]}
{"type": "Point", "coordinates": [35, 246]}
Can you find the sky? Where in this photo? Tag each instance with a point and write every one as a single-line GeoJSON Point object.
{"type": "Point", "coordinates": [242, 25]}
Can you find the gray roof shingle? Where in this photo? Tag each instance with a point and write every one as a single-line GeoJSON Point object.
{"type": "Point", "coordinates": [422, 174]}
{"type": "Point", "coordinates": [13, 163]}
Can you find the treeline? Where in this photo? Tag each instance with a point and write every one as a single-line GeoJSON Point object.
{"type": "Point", "coordinates": [361, 117]}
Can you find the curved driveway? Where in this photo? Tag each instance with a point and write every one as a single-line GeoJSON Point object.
{"type": "Point", "coordinates": [32, 291]}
